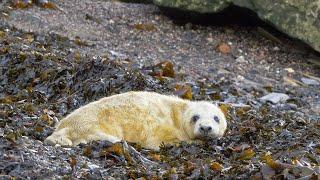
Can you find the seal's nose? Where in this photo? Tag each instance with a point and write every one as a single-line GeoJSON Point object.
{"type": "Point", "coordinates": [205, 129]}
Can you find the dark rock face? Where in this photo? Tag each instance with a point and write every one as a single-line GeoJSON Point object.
{"type": "Point", "coordinates": [298, 19]}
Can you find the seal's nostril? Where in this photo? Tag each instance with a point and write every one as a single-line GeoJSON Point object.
{"type": "Point", "coordinates": [205, 129]}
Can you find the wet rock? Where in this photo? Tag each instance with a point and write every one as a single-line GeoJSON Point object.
{"type": "Point", "coordinates": [299, 19]}
{"type": "Point", "coordinates": [92, 166]}
{"type": "Point", "coordinates": [289, 70]}
{"type": "Point", "coordinates": [240, 59]}
{"type": "Point", "coordinates": [287, 106]}
{"type": "Point", "coordinates": [224, 48]}
{"type": "Point", "coordinates": [309, 81]}
{"type": "Point", "coordinates": [275, 98]}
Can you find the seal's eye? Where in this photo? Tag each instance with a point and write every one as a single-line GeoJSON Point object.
{"type": "Point", "coordinates": [216, 118]}
{"type": "Point", "coordinates": [195, 118]}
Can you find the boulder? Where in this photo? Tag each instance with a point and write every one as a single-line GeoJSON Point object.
{"type": "Point", "coordinates": [298, 18]}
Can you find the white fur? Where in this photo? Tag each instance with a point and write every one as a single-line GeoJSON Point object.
{"type": "Point", "coordinates": [146, 118]}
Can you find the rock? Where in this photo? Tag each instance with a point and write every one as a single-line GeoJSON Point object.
{"type": "Point", "coordinates": [289, 70]}
{"type": "Point", "coordinates": [116, 54]}
{"type": "Point", "coordinates": [287, 107]}
{"type": "Point", "coordinates": [309, 81]}
{"type": "Point", "coordinates": [276, 48]}
{"type": "Point", "coordinates": [224, 48]}
{"type": "Point", "coordinates": [92, 166]}
{"type": "Point", "coordinates": [275, 98]}
{"type": "Point", "coordinates": [299, 19]}
{"type": "Point", "coordinates": [240, 59]}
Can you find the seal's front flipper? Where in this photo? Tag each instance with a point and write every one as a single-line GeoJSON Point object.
{"type": "Point", "coordinates": [59, 137]}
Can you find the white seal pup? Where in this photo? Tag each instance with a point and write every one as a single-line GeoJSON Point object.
{"type": "Point", "coordinates": [146, 118]}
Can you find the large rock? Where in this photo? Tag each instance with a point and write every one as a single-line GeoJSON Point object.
{"type": "Point", "coordinates": [297, 18]}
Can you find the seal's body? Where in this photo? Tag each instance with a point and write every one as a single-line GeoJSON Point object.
{"type": "Point", "coordinates": [146, 118]}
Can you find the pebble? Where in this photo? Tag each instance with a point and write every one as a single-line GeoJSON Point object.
{"type": "Point", "coordinates": [116, 54]}
{"type": "Point", "coordinates": [276, 48]}
{"type": "Point", "coordinates": [209, 39]}
{"type": "Point", "coordinates": [33, 151]}
{"type": "Point", "coordinates": [282, 122]}
{"type": "Point", "coordinates": [287, 107]}
{"type": "Point", "coordinates": [240, 59]}
{"type": "Point", "coordinates": [289, 70]}
{"type": "Point", "coordinates": [309, 81]}
{"type": "Point", "coordinates": [275, 98]}
{"type": "Point", "coordinates": [92, 166]}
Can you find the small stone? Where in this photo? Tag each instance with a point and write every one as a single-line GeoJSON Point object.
{"type": "Point", "coordinates": [210, 39]}
{"type": "Point", "coordinates": [92, 166]}
{"type": "Point", "coordinates": [276, 48]}
{"type": "Point", "coordinates": [39, 142]}
{"type": "Point", "coordinates": [240, 59]}
{"type": "Point", "coordinates": [224, 48]}
{"type": "Point", "coordinates": [25, 139]}
{"type": "Point", "coordinates": [116, 54]}
{"type": "Point", "coordinates": [33, 151]}
{"type": "Point", "coordinates": [309, 81]}
{"type": "Point", "coordinates": [55, 120]}
{"type": "Point", "coordinates": [287, 107]}
{"type": "Point", "coordinates": [275, 98]}
{"type": "Point", "coordinates": [282, 122]}
{"type": "Point", "coordinates": [289, 70]}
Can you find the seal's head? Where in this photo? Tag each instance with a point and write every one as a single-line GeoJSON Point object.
{"type": "Point", "coordinates": [203, 119]}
